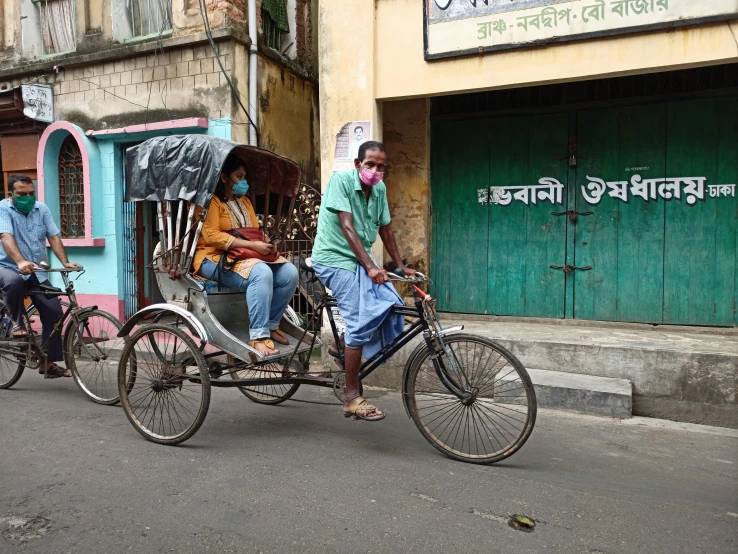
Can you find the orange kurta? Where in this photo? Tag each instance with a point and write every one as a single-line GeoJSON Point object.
{"type": "Point", "coordinates": [215, 239]}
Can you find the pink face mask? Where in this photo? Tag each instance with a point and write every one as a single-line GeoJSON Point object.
{"type": "Point", "coordinates": [370, 178]}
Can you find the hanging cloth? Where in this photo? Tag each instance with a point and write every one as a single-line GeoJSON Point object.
{"type": "Point", "coordinates": [277, 10]}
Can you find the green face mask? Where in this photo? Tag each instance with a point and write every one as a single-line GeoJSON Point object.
{"type": "Point", "coordinates": [24, 204]}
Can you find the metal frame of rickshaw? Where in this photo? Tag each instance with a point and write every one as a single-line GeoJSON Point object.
{"type": "Point", "coordinates": [188, 305]}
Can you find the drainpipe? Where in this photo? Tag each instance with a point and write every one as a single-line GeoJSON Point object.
{"type": "Point", "coordinates": [253, 49]}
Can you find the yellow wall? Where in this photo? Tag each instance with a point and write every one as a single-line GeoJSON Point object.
{"type": "Point", "coordinates": [288, 116]}
{"type": "Point", "coordinates": [402, 71]}
{"type": "Point", "coordinates": [406, 137]}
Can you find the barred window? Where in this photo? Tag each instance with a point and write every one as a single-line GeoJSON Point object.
{"type": "Point", "coordinates": [71, 190]}
{"type": "Point", "coordinates": [274, 22]}
{"type": "Point", "coordinates": [57, 25]}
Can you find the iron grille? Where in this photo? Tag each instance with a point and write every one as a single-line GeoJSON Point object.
{"type": "Point", "coordinates": [272, 33]}
{"type": "Point", "coordinates": [150, 17]}
{"type": "Point", "coordinates": [71, 190]}
{"type": "Point", "coordinates": [298, 231]}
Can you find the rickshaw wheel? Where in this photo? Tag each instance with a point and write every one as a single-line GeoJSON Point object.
{"type": "Point", "coordinates": [164, 383]}
{"type": "Point", "coordinates": [265, 394]}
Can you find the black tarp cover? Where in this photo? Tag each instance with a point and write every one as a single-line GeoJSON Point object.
{"type": "Point", "coordinates": [187, 167]}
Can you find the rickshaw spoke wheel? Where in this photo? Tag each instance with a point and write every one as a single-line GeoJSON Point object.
{"type": "Point", "coordinates": [11, 364]}
{"type": "Point", "coordinates": [265, 394]}
{"type": "Point", "coordinates": [495, 411]}
{"type": "Point", "coordinates": [92, 352]}
{"type": "Point", "coordinates": [164, 383]}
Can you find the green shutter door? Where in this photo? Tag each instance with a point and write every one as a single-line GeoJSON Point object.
{"type": "Point", "coordinates": [460, 166]}
{"type": "Point", "coordinates": [700, 248]}
{"type": "Point", "coordinates": [525, 239]}
{"type": "Point", "coordinates": [623, 242]}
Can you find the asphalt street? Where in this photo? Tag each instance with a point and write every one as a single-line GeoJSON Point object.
{"type": "Point", "coordinates": [76, 477]}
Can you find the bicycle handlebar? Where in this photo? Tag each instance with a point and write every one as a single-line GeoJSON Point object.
{"type": "Point", "coordinates": [399, 275]}
{"type": "Point", "coordinates": [40, 269]}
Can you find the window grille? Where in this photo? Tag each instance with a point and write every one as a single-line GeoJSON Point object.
{"type": "Point", "coordinates": [71, 191]}
{"type": "Point", "coordinates": [272, 34]}
{"type": "Point", "coordinates": [57, 25]}
{"type": "Point", "coordinates": [274, 22]}
{"type": "Point", "coordinates": [149, 17]}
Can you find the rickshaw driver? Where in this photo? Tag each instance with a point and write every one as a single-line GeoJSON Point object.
{"type": "Point", "coordinates": [353, 210]}
{"type": "Point", "coordinates": [25, 225]}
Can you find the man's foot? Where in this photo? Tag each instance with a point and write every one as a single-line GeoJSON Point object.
{"type": "Point", "coordinates": [359, 408]}
{"type": "Point", "coordinates": [54, 372]}
{"type": "Point", "coordinates": [19, 332]}
{"type": "Point", "coordinates": [278, 336]}
{"type": "Point", "coordinates": [265, 347]}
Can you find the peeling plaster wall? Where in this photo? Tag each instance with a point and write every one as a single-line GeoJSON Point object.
{"type": "Point", "coordinates": [288, 117]}
{"type": "Point", "coordinates": [407, 139]}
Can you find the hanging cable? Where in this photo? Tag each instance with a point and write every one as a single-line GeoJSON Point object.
{"type": "Point", "coordinates": [208, 32]}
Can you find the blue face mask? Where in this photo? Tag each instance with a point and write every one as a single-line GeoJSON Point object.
{"type": "Point", "coordinates": [241, 188]}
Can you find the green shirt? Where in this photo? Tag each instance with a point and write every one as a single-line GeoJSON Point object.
{"type": "Point", "coordinates": [344, 194]}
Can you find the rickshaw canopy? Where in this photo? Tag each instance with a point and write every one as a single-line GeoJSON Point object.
{"type": "Point", "coordinates": [187, 167]}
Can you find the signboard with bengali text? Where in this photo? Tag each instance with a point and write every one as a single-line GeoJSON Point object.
{"type": "Point", "coordinates": [464, 27]}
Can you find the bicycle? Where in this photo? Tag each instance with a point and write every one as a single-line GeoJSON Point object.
{"type": "Point", "coordinates": [89, 341]}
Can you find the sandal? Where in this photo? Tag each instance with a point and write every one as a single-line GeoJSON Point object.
{"type": "Point", "coordinates": [280, 338]}
{"type": "Point", "coordinates": [359, 408]}
{"type": "Point", "coordinates": [54, 372]}
{"type": "Point", "coordinates": [19, 332]}
{"type": "Point", "coordinates": [266, 342]}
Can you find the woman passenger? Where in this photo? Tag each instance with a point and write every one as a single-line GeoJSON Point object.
{"type": "Point", "coordinates": [268, 286]}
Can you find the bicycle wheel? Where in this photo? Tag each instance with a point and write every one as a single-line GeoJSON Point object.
{"type": "Point", "coordinates": [11, 364]}
{"type": "Point", "coordinates": [264, 394]}
{"type": "Point", "coordinates": [164, 384]}
{"type": "Point", "coordinates": [488, 424]}
{"type": "Point", "coordinates": [92, 351]}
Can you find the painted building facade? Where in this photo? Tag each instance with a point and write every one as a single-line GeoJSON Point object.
{"type": "Point", "coordinates": [553, 159]}
{"type": "Point", "coordinates": [122, 71]}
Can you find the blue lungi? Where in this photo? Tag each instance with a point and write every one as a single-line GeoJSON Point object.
{"type": "Point", "coordinates": [365, 306]}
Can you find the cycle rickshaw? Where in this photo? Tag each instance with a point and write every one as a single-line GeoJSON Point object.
{"type": "Point", "coordinates": [470, 398]}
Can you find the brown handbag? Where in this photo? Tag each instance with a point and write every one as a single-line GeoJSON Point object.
{"type": "Point", "coordinates": [253, 234]}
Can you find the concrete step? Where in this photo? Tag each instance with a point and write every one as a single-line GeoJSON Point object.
{"type": "Point", "coordinates": [678, 374]}
{"type": "Point", "coordinates": [587, 394]}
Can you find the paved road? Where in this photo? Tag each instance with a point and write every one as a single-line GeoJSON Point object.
{"type": "Point", "coordinates": [76, 477]}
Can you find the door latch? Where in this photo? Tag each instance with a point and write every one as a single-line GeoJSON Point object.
{"type": "Point", "coordinates": [572, 214]}
{"type": "Point", "coordinates": [570, 268]}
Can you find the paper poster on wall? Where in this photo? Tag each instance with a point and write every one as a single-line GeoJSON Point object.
{"type": "Point", "coordinates": [463, 27]}
{"type": "Point", "coordinates": [348, 140]}
{"type": "Point", "coordinates": [38, 102]}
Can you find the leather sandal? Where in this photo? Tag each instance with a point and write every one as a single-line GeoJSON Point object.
{"type": "Point", "coordinates": [280, 338]}
{"type": "Point", "coordinates": [358, 408]}
{"type": "Point", "coordinates": [267, 342]}
{"type": "Point", "coordinates": [54, 372]}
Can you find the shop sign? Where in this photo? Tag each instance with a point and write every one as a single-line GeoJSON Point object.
{"type": "Point", "coordinates": [38, 102]}
{"type": "Point", "coordinates": [462, 27]}
{"type": "Point", "coordinates": [685, 189]}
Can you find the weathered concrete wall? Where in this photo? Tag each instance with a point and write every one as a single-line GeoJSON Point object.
{"type": "Point", "coordinates": [288, 116]}
{"type": "Point", "coordinates": [407, 137]}
{"type": "Point", "coordinates": [181, 82]}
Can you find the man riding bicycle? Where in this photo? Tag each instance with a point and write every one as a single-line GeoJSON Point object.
{"type": "Point", "coordinates": [353, 210]}
{"type": "Point", "coordinates": [25, 225]}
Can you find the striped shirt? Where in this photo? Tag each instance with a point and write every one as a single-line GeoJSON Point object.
{"type": "Point", "coordinates": [29, 231]}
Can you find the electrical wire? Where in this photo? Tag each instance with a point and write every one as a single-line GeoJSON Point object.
{"type": "Point", "coordinates": [209, 33]}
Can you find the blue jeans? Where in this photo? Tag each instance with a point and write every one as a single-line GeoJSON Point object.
{"type": "Point", "coordinates": [268, 289]}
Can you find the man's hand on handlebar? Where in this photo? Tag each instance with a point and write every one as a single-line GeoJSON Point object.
{"type": "Point", "coordinates": [409, 272]}
{"type": "Point", "coordinates": [73, 266]}
{"type": "Point", "coordinates": [26, 268]}
{"type": "Point", "coordinates": [378, 276]}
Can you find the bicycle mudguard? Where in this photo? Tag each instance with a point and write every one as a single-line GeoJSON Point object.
{"type": "Point", "coordinates": [414, 354]}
